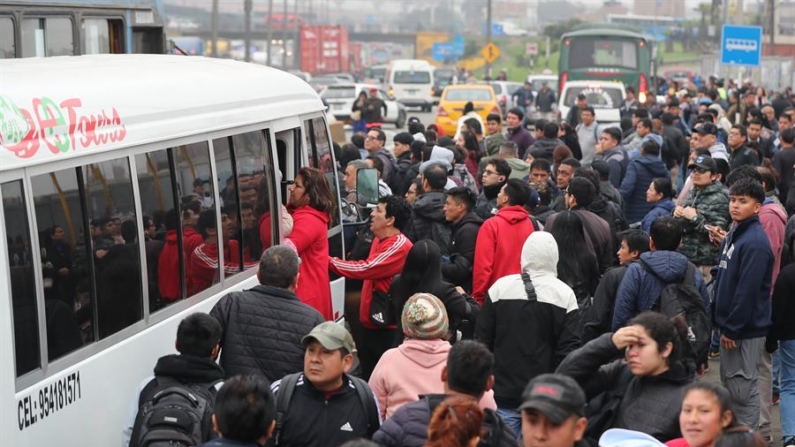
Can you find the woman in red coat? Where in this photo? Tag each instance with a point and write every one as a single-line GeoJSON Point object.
{"type": "Point", "coordinates": [311, 205]}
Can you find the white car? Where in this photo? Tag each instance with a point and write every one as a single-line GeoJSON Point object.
{"type": "Point", "coordinates": [604, 97]}
{"type": "Point", "coordinates": [340, 97]}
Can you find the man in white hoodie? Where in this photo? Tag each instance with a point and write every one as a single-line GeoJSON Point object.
{"type": "Point", "coordinates": [516, 309]}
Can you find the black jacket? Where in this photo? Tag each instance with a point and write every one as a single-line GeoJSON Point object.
{"type": "Point", "coordinates": [651, 404]}
{"type": "Point", "coordinates": [428, 208]}
{"type": "Point", "coordinates": [312, 420]}
{"type": "Point", "coordinates": [262, 329]}
{"type": "Point", "coordinates": [783, 306]}
{"type": "Point", "coordinates": [403, 181]}
{"type": "Point", "coordinates": [462, 252]}
{"type": "Point", "coordinates": [743, 156]}
{"type": "Point", "coordinates": [487, 201]}
{"type": "Point", "coordinates": [675, 142]}
{"type": "Point", "coordinates": [598, 318]}
{"type": "Point", "coordinates": [408, 427]}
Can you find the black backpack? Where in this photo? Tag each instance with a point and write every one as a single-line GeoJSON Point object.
{"type": "Point", "coordinates": [682, 301]}
{"type": "Point", "coordinates": [285, 395]}
{"type": "Point", "coordinates": [174, 414]}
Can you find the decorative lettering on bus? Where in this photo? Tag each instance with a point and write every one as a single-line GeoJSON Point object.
{"type": "Point", "coordinates": [49, 400]}
{"type": "Point", "coordinates": [59, 126]}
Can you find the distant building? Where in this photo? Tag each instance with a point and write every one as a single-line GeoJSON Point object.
{"type": "Point", "coordinates": [670, 8]}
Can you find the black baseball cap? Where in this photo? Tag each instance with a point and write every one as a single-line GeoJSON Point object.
{"type": "Point", "coordinates": [708, 129]}
{"type": "Point", "coordinates": [556, 396]}
{"type": "Point", "coordinates": [704, 162]}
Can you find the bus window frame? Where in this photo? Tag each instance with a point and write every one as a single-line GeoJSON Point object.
{"type": "Point", "coordinates": [16, 32]}
{"type": "Point", "coordinates": [100, 15]}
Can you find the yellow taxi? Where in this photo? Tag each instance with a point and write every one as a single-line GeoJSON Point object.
{"type": "Point", "coordinates": [455, 97]}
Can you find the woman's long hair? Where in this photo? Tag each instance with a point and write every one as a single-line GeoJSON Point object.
{"type": "Point", "coordinates": [422, 271]}
{"type": "Point", "coordinates": [455, 422]}
{"type": "Point", "coordinates": [574, 263]}
{"type": "Point", "coordinates": [318, 191]}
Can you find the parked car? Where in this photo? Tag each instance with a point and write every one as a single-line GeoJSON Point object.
{"type": "Point", "coordinates": [340, 99]}
{"type": "Point", "coordinates": [604, 97]}
{"type": "Point", "coordinates": [455, 97]}
{"type": "Point", "coordinates": [504, 90]}
{"type": "Point", "coordinates": [321, 82]}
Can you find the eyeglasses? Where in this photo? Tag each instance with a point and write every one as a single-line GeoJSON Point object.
{"type": "Point", "coordinates": [490, 172]}
{"type": "Point", "coordinates": [370, 137]}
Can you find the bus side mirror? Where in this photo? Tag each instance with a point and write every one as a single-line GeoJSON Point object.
{"type": "Point", "coordinates": [366, 187]}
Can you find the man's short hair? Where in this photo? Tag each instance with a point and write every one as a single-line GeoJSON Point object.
{"type": "Point", "coordinates": [358, 164]}
{"type": "Point", "coordinates": [378, 164]}
{"type": "Point", "coordinates": [581, 97]}
{"type": "Point", "coordinates": [583, 190]}
{"type": "Point", "coordinates": [640, 113]}
{"type": "Point", "coordinates": [501, 166]}
{"type": "Point", "coordinates": [749, 188]}
{"type": "Point", "coordinates": [573, 162]}
{"type": "Point", "coordinates": [245, 408]}
{"type": "Point", "coordinates": [206, 221]}
{"type": "Point", "coordinates": [403, 138]}
{"type": "Point", "coordinates": [551, 130]}
{"type": "Point", "coordinates": [495, 117]}
{"type": "Point", "coordinates": [767, 178]}
{"type": "Point", "coordinates": [416, 127]}
{"type": "Point", "coordinates": [756, 121]}
{"type": "Point", "coordinates": [509, 148]}
{"type": "Point", "coordinates": [516, 111]}
{"type": "Point", "coordinates": [602, 169]}
{"type": "Point", "coordinates": [613, 133]}
{"type": "Point", "coordinates": [398, 208]}
{"type": "Point", "coordinates": [278, 266]}
{"type": "Point", "coordinates": [357, 140]}
{"type": "Point", "coordinates": [472, 123]}
{"type": "Point", "coordinates": [591, 175]}
{"type": "Point", "coordinates": [788, 135]}
{"type": "Point", "coordinates": [462, 194]}
{"type": "Point", "coordinates": [637, 240]}
{"type": "Point", "coordinates": [667, 118]}
{"type": "Point", "coordinates": [541, 164]}
{"type": "Point", "coordinates": [540, 123]}
{"type": "Point", "coordinates": [650, 147]}
{"type": "Point", "coordinates": [381, 136]}
{"type": "Point", "coordinates": [630, 89]}
{"type": "Point", "coordinates": [517, 191]}
{"type": "Point", "coordinates": [666, 232]}
{"type": "Point", "coordinates": [436, 176]}
{"type": "Point", "coordinates": [645, 122]}
{"type": "Point", "coordinates": [742, 129]}
{"type": "Point", "coordinates": [589, 109]}
{"type": "Point", "coordinates": [198, 334]}
{"type": "Point", "coordinates": [469, 366]}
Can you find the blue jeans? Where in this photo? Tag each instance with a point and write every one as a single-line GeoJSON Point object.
{"type": "Point", "coordinates": [714, 343]}
{"type": "Point", "coordinates": [787, 382]}
{"type": "Point", "coordinates": [359, 126]}
{"type": "Point", "coordinates": [776, 372]}
{"type": "Point", "coordinates": [513, 419]}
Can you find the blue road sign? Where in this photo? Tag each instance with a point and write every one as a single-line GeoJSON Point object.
{"type": "Point", "coordinates": [496, 29]}
{"type": "Point", "coordinates": [458, 45]}
{"type": "Point", "coordinates": [443, 51]}
{"type": "Point", "coordinates": [741, 45]}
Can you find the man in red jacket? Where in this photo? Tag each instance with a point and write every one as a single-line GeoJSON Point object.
{"type": "Point", "coordinates": [387, 256]}
{"type": "Point", "coordinates": [498, 247]}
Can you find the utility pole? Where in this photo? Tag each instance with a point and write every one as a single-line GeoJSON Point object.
{"type": "Point", "coordinates": [248, 30]}
{"type": "Point", "coordinates": [270, 33]}
{"type": "Point", "coordinates": [214, 41]}
{"type": "Point", "coordinates": [772, 27]}
{"type": "Point", "coordinates": [488, 35]}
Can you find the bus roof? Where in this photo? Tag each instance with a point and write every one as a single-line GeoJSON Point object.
{"type": "Point", "coordinates": [64, 107]}
{"type": "Point", "coordinates": [613, 29]}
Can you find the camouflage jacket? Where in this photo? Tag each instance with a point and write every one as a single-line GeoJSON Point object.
{"type": "Point", "coordinates": [712, 205]}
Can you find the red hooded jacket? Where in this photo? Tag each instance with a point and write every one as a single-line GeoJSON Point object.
{"type": "Point", "coordinates": [168, 276]}
{"type": "Point", "coordinates": [499, 248]}
{"type": "Point", "coordinates": [310, 239]}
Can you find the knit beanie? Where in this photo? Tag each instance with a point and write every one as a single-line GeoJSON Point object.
{"type": "Point", "coordinates": [424, 317]}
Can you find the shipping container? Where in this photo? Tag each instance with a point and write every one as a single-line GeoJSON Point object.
{"type": "Point", "coordinates": [324, 49]}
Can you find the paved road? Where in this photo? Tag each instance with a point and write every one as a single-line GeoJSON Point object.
{"type": "Point", "coordinates": [390, 130]}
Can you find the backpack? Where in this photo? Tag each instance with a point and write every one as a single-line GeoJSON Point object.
{"type": "Point", "coordinates": [285, 395]}
{"type": "Point", "coordinates": [682, 301]}
{"type": "Point", "coordinates": [174, 414]}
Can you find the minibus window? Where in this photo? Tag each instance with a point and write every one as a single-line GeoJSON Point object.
{"type": "Point", "coordinates": [7, 47]}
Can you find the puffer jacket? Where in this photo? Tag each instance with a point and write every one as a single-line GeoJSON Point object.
{"type": "Point", "coordinates": [712, 204]}
{"type": "Point", "coordinates": [528, 338]}
{"type": "Point", "coordinates": [458, 270]}
{"type": "Point", "coordinates": [428, 208]}
{"type": "Point", "coordinates": [640, 173]}
{"type": "Point", "coordinates": [651, 404]}
{"type": "Point", "coordinates": [640, 289]}
{"type": "Point", "coordinates": [411, 370]}
{"type": "Point", "coordinates": [544, 148]}
{"type": "Point", "coordinates": [262, 329]}
{"type": "Point", "coordinates": [662, 208]}
{"type": "Point", "coordinates": [408, 427]}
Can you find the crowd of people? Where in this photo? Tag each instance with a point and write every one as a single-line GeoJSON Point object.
{"type": "Point", "coordinates": [556, 287]}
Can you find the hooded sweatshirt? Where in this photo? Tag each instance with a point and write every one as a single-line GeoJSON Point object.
{"type": "Point", "coordinates": [640, 289]}
{"type": "Point", "coordinates": [519, 168]}
{"type": "Point", "coordinates": [496, 251]}
{"type": "Point", "coordinates": [528, 337]}
{"type": "Point", "coordinates": [718, 150]}
{"type": "Point", "coordinates": [411, 370]}
{"type": "Point", "coordinates": [428, 209]}
{"type": "Point", "coordinates": [640, 173]}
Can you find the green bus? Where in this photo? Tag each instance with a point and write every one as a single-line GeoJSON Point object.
{"type": "Point", "coordinates": [600, 53]}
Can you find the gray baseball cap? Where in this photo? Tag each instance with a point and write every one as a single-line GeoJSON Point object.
{"type": "Point", "coordinates": [332, 336]}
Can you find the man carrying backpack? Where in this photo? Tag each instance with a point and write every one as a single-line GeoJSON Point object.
{"type": "Point", "coordinates": [646, 281]}
{"type": "Point", "coordinates": [184, 385]}
{"type": "Point", "coordinates": [323, 405]}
